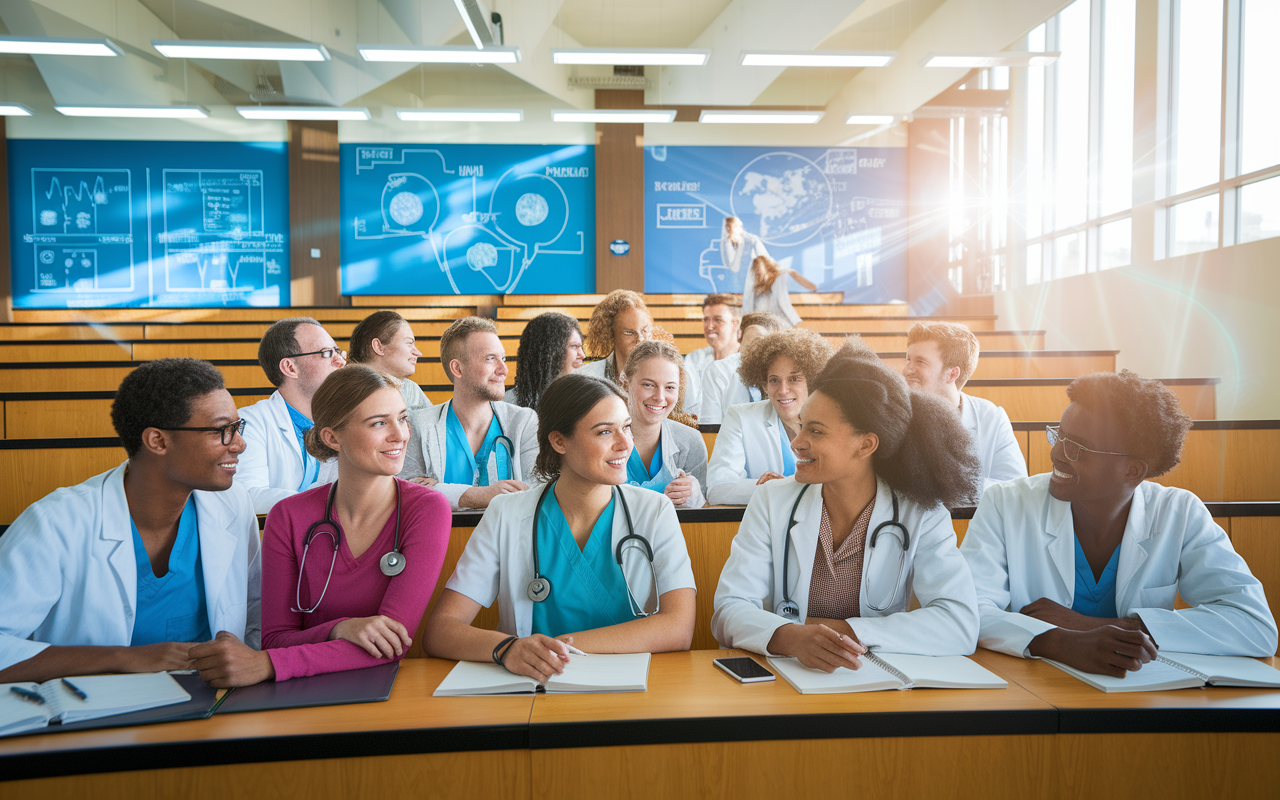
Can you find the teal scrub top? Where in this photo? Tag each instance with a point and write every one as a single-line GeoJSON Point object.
{"type": "Point", "coordinates": [655, 476]}
{"type": "Point", "coordinates": [462, 466]}
{"type": "Point", "coordinates": [587, 587]}
{"type": "Point", "coordinates": [788, 457]}
{"type": "Point", "coordinates": [310, 466]}
{"type": "Point", "coordinates": [172, 608]}
{"type": "Point", "coordinates": [1095, 599]}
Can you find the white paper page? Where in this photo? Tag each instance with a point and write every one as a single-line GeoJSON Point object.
{"type": "Point", "coordinates": [1228, 670]}
{"type": "Point", "coordinates": [1153, 677]}
{"type": "Point", "coordinates": [113, 694]}
{"type": "Point", "coordinates": [623, 672]}
{"type": "Point", "coordinates": [870, 678]}
{"type": "Point", "coordinates": [473, 678]}
{"type": "Point", "coordinates": [944, 672]}
{"type": "Point", "coordinates": [18, 715]}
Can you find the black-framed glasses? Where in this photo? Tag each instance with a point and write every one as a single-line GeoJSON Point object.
{"type": "Point", "coordinates": [326, 354]}
{"type": "Point", "coordinates": [1072, 449]}
{"type": "Point", "coordinates": [228, 431]}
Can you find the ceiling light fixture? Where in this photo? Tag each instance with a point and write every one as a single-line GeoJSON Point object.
{"type": "Point", "coordinates": [980, 60]}
{"type": "Point", "coordinates": [244, 51]}
{"type": "Point", "coordinates": [14, 110]}
{"type": "Point", "coordinates": [816, 58]}
{"type": "Point", "coordinates": [323, 113]}
{"type": "Point", "coordinates": [760, 117]}
{"type": "Point", "coordinates": [58, 46]}
{"type": "Point", "coordinates": [139, 112]}
{"type": "Point", "coordinates": [460, 115]}
{"type": "Point", "coordinates": [633, 56]}
{"type": "Point", "coordinates": [448, 54]}
{"type": "Point", "coordinates": [615, 115]}
{"type": "Point", "coordinates": [870, 119]}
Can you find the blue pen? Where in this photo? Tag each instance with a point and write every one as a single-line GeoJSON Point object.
{"type": "Point", "coordinates": [28, 695]}
{"type": "Point", "coordinates": [76, 690]}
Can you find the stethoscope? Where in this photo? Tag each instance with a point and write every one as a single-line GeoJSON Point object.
{"type": "Point", "coordinates": [789, 609]}
{"type": "Point", "coordinates": [540, 587]}
{"type": "Point", "coordinates": [507, 444]}
{"type": "Point", "coordinates": [392, 564]}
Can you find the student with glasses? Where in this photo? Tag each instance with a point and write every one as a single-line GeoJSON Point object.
{"type": "Point", "coordinates": [153, 565]}
{"type": "Point", "coordinates": [1082, 564]}
{"type": "Point", "coordinates": [296, 354]}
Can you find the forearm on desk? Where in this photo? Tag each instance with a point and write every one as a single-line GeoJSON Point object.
{"type": "Point", "coordinates": [668, 630]}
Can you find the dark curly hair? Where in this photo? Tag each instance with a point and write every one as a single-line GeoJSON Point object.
{"type": "Point", "coordinates": [1149, 413]}
{"type": "Point", "coordinates": [925, 453]}
{"type": "Point", "coordinates": [806, 348]}
{"type": "Point", "coordinates": [541, 354]}
{"type": "Point", "coordinates": [563, 405]}
{"type": "Point", "coordinates": [158, 394]}
{"type": "Point", "coordinates": [380, 325]}
{"type": "Point", "coordinates": [600, 329]}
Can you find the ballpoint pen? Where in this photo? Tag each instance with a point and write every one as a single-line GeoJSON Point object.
{"type": "Point", "coordinates": [76, 690]}
{"type": "Point", "coordinates": [28, 695]}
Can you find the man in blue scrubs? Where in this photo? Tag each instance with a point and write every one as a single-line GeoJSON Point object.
{"type": "Point", "coordinates": [151, 566]}
{"type": "Point", "coordinates": [475, 446]}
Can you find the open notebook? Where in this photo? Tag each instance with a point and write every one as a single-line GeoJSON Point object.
{"type": "Point", "coordinates": [882, 671]}
{"type": "Point", "coordinates": [1183, 671]}
{"type": "Point", "coordinates": [108, 695]}
{"type": "Point", "coordinates": [627, 672]}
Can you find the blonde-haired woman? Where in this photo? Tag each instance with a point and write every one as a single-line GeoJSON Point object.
{"type": "Point", "coordinates": [348, 568]}
{"type": "Point", "coordinates": [619, 323]}
{"type": "Point", "coordinates": [766, 290]}
{"type": "Point", "coordinates": [666, 456]}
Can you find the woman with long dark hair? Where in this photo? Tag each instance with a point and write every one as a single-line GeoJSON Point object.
{"type": "Point", "coordinates": [550, 347]}
{"type": "Point", "coordinates": [825, 562]}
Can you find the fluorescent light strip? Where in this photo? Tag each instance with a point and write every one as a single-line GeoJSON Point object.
{"type": "Point", "coordinates": [615, 115]}
{"type": "Point", "coordinates": [460, 115]}
{"type": "Point", "coordinates": [466, 20]}
{"type": "Point", "coordinates": [870, 119]}
{"type": "Point", "coordinates": [817, 58]}
{"type": "Point", "coordinates": [244, 51]}
{"type": "Point", "coordinates": [633, 56]}
{"type": "Point", "coordinates": [139, 112]}
{"type": "Point", "coordinates": [14, 110]}
{"type": "Point", "coordinates": [326, 113]}
{"type": "Point", "coordinates": [57, 46]}
{"type": "Point", "coordinates": [449, 54]}
{"type": "Point", "coordinates": [761, 117]}
{"type": "Point", "coordinates": [980, 60]}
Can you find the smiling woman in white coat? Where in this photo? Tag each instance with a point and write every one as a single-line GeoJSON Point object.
{"type": "Point", "coordinates": [1083, 564]}
{"type": "Point", "coordinates": [129, 570]}
{"type": "Point", "coordinates": [825, 564]}
{"type": "Point", "coordinates": [583, 560]}
{"type": "Point", "coordinates": [666, 456]}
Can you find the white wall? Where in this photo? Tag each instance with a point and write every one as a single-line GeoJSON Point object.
{"type": "Point", "coordinates": [1212, 314]}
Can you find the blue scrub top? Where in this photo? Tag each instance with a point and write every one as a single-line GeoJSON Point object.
{"type": "Point", "coordinates": [655, 476]}
{"type": "Point", "coordinates": [1095, 599]}
{"type": "Point", "coordinates": [472, 469]}
{"type": "Point", "coordinates": [788, 457]}
{"type": "Point", "coordinates": [310, 467]}
{"type": "Point", "coordinates": [172, 608]}
{"type": "Point", "coordinates": [587, 587]}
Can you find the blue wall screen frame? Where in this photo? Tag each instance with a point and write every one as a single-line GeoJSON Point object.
{"type": "Point", "coordinates": [837, 215]}
{"type": "Point", "coordinates": [148, 224]}
{"type": "Point", "coordinates": [467, 219]}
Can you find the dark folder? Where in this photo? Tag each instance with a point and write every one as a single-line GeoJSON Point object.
{"type": "Point", "coordinates": [203, 698]}
{"type": "Point", "coordinates": [368, 685]}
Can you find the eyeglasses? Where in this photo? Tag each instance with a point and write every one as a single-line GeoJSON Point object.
{"type": "Point", "coordinates": [228, 431]}
{"type": "Point", "coordinates": [326, 354]}
{"type": "Point", "coordinates": [1072, 449]}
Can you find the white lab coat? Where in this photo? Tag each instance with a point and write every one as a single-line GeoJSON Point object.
{"type": "Point", "coordinates": [750, 584]}
{"type": "Point", "coordinates": [695, 365]}
{"type": "Point", "coordinates": [776, 301]}
{"type": "Point", "coordinates": [596, 369]}
{"type": "Point", "coordinates": [998, 452]}
{"type": "Point", "coordinates": [721, 388]}
{"type": "Point", "coordinates": [1021, 547]}
{"type": "Point", "coordinates": [271, 465]}
{"type": "Point", "coordinates": [684, 449]}
{"type": "Point", "coordinates": [69, 574]}
{"type": "Point", "coordinates": [498, 559]}
{"type": "Point", "coordinates": [739, 258]}
{"type": "Point", "coordinates": [427, 451]}
{"type": "Point", "coordinates": [748, 445]}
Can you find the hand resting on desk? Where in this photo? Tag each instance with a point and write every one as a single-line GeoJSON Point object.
{"type": "Point", "coordinates": [225, 661]}
{"type": "Point", "coordinates": [817, 647]}
{"type": "Point", "coordinates": [380, 636]}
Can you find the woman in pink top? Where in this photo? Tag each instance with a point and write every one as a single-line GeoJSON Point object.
{"type": "Point", "coordinates": [361, 594]}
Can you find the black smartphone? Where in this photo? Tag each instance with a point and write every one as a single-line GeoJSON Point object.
{"type": "Point", "coordinates": [745, 670]}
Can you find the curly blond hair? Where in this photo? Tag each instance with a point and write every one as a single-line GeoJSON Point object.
{"type": "Point", "coordinates": [806, 348]}
{"type": "Point", "coordinates": [599, 341]}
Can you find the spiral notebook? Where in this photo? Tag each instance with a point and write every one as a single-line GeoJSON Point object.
{"type": "Point", "coordinates": [594, 673]}
{"type": "Point", "coordinates": [1183, 671]}
{"type": "Point", "coordinates": [104, 696]}
{"type": "Point", "coordinates": [884, 671]}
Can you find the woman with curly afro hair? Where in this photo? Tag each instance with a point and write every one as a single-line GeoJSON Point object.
{"type": "Point", "coordinates": [619, 323]}
{"type": "Point", "coordinates": [1083, 564]}
{"type": "Point", "coordinates": [550, 346]}
{"type": "Point", "coordinates": [836, 568]}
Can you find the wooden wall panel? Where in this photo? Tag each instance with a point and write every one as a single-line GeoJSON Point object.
{"type": "Point", "coordinates": [32, 474]}
{"type": "Point", "coordinates": [619, 195]}
{"type": "Point", "coordinates": [1257, 540]}
{"type": "Point", "coordinates": [314, 214]}
{"type": "Point", "coordinates": [6, 266]}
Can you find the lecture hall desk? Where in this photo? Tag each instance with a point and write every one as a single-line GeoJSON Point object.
{"type": "Point", "coordinates": [695, 733]}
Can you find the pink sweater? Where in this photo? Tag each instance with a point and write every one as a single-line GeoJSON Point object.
{"type": "Point", "coordinates": [299, 643]}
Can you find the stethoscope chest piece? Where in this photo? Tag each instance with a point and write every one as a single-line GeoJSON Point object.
{"type": "Point", "coordinates": [787, 609]}
{"type": "Point", "coordinates": [539, 589]}
{"type": "Point", "coordinates": [392, 564]}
